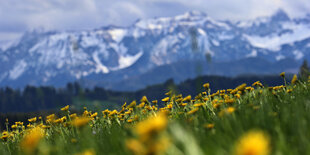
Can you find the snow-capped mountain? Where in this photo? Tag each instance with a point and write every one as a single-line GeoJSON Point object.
{"type": "Point", "coordinates": [110, 56]}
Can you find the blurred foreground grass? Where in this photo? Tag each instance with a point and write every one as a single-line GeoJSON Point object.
{"type": "Point", "coordinates": [247, 120]}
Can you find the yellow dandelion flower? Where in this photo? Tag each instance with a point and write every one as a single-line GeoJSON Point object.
{"type": "Point", "coordinates": [215, 105]}
{"type": "Point", "coordinates": [166, 99]}
{"type": "Point", "coordinates": [141, 105]}
{"type": "Point", "coordinates": [73, 116]}
{"type": "Point", "coordinates": [32, 120]}
{"type": "Point", "coordinates": [94, 115]}
{"type": "Point", "coordinates": [230, 110]}
{"type": "Point", "coordinates": [51, 117]}
{"type": "Point", "coordinates": [241, 87]}
{"type": "Point", "coordinates": [152, 125]}
{"type": "Point", "coordinates": [155, 102]}
{"type": "Point", "coordinates": [192, 111]}
{"type": "Point", "coordinates": [187, 98]}
{"type": "Point", "coordinates": [253, 143]}
{"type": "Point", "coordinates": [32, 139]}
{"type": "Point", "coordinates": [209, 126]}
{"type": "Point", "coordinates": [168, 93]}
{"type": "Point", "coordinates": [87, 152]}
{"type": "Point", "coordinates": [198, 104]}
{"type": "Point", "coordinates": [294, 79]}
{"type": "Point", "coordinates": [80, 121]}
{"type": "Point", "coordinates": [132, 104]}
{"type": "Point", "coordinates": [282, 74]}
{"type": "Point", "coordinates": [114, 112]}
{"type": "Point", "coordinates": [206, 85]}
{"type": "Point", "coordinates": [14, 126]}
{"type": "Point", "coordinates": [144, 99]}
{"type": "Point", "coordinates": [66, 108]}
{"type": "Point", "coordinates": [289, 90]}
{"type": "Point", "coordinates": [135, 146]}
{"type": "Point", "coordinates": [169, 106]}
{"type": "Point", "coordinates": [182, 104]}
{"type": "Point", "coordinates": [124, 105]}
{"type": "Point", "coordinates": [229, 101]}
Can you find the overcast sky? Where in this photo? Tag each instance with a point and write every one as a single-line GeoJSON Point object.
{"type": "Point", "coordinates": [17, 16]}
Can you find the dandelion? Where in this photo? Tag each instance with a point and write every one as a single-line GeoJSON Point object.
{"type": "Point", "coordinates": [80, 121]}
{"type": "Point", "coordinates": [5, 135]}
{"type": "Point", "coordinates": [229, 101]}
{"type": "Point", "coordinates": [187, 98]}
{"type": "Point", "coordinates": [257, 83]}
{"type": "Point", "coordinates": [230, 110]}
{"type": "Point", "coordinates": [282, 74]}
{"type": "Point", "coordinates": [253, 143]}
{"type": "Point", "coordinates": [198, 104]}
{"type": "Point", "coordinates": [241, 87]}
{"type": "Point", "coordinates": [135, 146]}
{"type": "Point", "coordinates": [87, 152]}
{"type": "Point", "coordinates": [14, 126]}
{"type": "Point", "coordinates": [32, 139]}
{"type": "Point", "coordinates": [206, 85]}
{"type": "Point", "coordinates": [144, 99]}
{"type": "Point", "coordinates": [168, 93]}
{"type": "Point", "coordinates": [294, 79]}
{"type": "Point", "coordinates": [94, 115]}
{"type": "Point", "coordinates": [192, 111]}
{"type": "Point", "coordinates": [51, 117]}
{"type": "Point", "coordinates": [73, 116]}
{"type": "Point", "coordinates": [132, 104]}
{"type": "Point", "coordinates": [166, 99]}
{"type": "Point", "coordinates": [32, 120]}
{"type": "Point", "coordinates": [152, 125]}
{"type": "Point", "coordinates": [209, 126]}
{"type": "Point", "coordinates": [155, 102]}
{"type": "Point", "coordinates": [66, 108]}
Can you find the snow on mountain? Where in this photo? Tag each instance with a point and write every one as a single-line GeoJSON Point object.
{"type": "Point", "coordinates": [295, 33]}
{"type": "Point", "coordinates": [51, 57]}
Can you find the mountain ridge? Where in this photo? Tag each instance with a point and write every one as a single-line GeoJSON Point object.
{"type": "Point", "coordinates": [114, 54]}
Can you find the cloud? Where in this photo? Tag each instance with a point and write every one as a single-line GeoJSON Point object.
{"type": "Point", "coordinates": [17, 16]}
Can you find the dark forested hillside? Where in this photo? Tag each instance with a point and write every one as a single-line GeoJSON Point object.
{"type": "Point", "coordinates": [47, 98]}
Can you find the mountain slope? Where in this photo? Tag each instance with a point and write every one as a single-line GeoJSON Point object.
{"type": "Point", "coordinates": [111, 55]}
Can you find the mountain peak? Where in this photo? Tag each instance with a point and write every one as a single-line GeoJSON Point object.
{"type": "Point", "coordinates": [280, 15]}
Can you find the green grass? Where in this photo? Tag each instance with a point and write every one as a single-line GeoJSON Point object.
{"type": "Point", "coordinates": [284, 117]}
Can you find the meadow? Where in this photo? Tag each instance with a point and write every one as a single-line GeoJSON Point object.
{"type": "Point", "coordinates": [247, 120]}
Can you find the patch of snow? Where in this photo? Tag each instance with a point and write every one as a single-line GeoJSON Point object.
{"type": "Point", "coordinates": [201, 31]}
{"type": "Point", "coordinates": [215, 42]}
{"type": "Point", "coordinates": [280, 57]}
{"type": "Point", "coordinates": [18, 70]}
{"type": "Point", "coordinates": [90, 41]}
{"type": "Point", "coordinates": [244, 24]}
{"type": "Point", "coordinates": [117, 34]}
{"type": "Point", "coordinates": [181, 36]}
{"type": "Point", "coordinates": [99, 66]}
{"type": "Point", "coordinates": [127, 60]}
{"type": "Point", "coordinates": [224, 36]}
{"type": "Point", "coordinates": [274, 42]}
{"type": "Point", "coordinates": [252, 54]}
{"type": "Point", "coordinates": [138, 33]}
{"type": "Point", "coordinates": [219, 23]}
{"type": "Point", "coordinates": [4, 45]}
{"type": "Point", "coordinates": [298, 54]}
